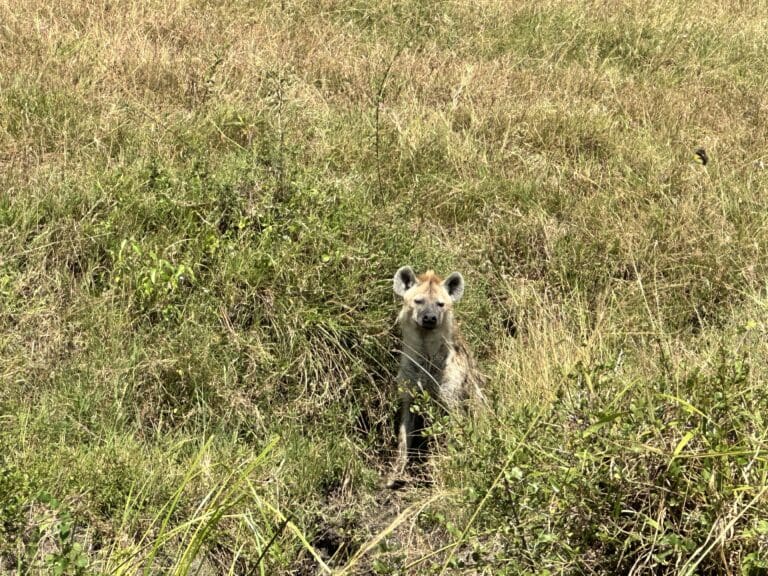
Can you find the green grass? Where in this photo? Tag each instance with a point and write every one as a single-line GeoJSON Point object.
{"type": "Point", "coordinates": [202, 210]}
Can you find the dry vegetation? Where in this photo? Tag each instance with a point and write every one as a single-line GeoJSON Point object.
{"type": "Point", "coordinates": [202, 207]}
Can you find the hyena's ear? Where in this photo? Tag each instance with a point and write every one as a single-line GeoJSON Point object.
{"type": "Point", "coordinates": [454, 285]}
{"type": "Point", "coordinates": [404, 279]}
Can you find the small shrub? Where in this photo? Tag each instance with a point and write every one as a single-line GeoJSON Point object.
{"type": "Point", "coordinates": [621, 476]}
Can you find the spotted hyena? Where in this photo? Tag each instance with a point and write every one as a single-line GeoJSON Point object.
{"type": "Point", "coordinates": [434, 356]}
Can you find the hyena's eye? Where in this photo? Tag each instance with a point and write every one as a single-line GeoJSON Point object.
{"type": "Point", "coordinates": [419, 301]}
{"type": "Point", "coordinates": [441, 304]}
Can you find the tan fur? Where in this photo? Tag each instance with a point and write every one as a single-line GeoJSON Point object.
{"type": "Point", "coordinates": [434, 356]}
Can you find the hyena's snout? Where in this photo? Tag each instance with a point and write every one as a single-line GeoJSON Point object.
{"type": "Point", "coordinates": [429, 316]}
{"type": "Point", "coordinates": [429, 319]}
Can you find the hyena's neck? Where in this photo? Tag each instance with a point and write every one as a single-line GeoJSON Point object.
{"type": "Point", "coordinates": [428, 347]}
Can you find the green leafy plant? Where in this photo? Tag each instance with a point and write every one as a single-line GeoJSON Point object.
{"type": "Point", "coordinates": [69, 557]}
{"type": "Point", "coordinates": [15, 491]}
{"type": "Point", "coordinates": [154, 280]}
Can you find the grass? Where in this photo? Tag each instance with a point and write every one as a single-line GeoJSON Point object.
{"type": "Point", "coordinates": [203, 206]}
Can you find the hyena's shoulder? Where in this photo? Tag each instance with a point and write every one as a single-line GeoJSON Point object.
{"type": "Point", "coordinates": [461, 350]}
{"type": "Point", "coordinates": [462, 380]}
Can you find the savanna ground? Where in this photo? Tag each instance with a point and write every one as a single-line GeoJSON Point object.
{"type": "Point", "coordinates": [203, 205]}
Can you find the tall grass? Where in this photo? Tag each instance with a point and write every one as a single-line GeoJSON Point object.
{"type": "Point", "coordinates": [203, 205]}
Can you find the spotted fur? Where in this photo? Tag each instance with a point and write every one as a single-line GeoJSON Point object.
{"type": "Point", "coordinates": [434, 356]}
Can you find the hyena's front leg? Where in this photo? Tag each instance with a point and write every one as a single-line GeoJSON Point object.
{"type": "Point", "coordinates": [404, 439]}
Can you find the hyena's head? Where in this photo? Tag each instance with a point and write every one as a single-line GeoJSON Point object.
{"type": "Point", "coordinates": [427, 299]}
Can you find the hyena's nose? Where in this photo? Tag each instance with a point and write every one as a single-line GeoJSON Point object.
{"type": "Point", "coordinates": [429, 320]}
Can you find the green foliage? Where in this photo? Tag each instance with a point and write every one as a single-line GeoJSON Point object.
{"type": "Point", "coordinates": [154, 280]}
{"type": "Point", "coordinates": [15, 493]}
{"type": "Point", "coordinates": [202, 211]}
{"type": "Point", "coordinates": [69, 559]}
{"type": "Point", "coordinates": [51, 544]}
{"type": "Point", "coordinates": [620, 475]}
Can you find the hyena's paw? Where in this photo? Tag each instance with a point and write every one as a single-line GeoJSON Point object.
{"type": "Point", "coordinates": [395, 481]}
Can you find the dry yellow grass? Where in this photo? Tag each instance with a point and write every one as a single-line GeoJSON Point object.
{"type": "Point", "coordinates": [203, 204]}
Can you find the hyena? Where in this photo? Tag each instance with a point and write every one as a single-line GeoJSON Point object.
{"type": "Point", "coordinates": [434, 357]}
